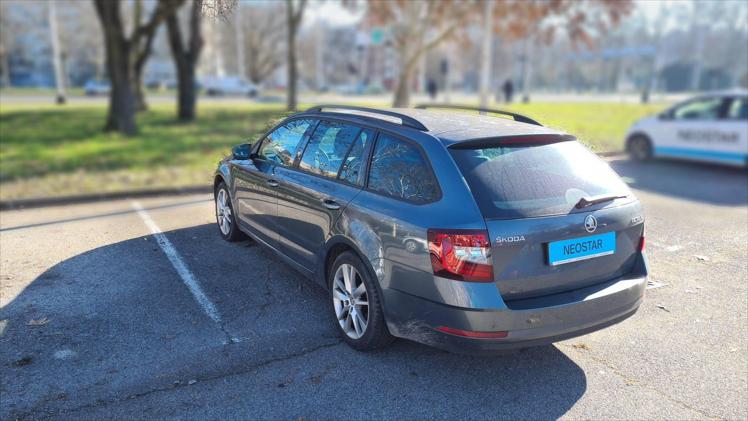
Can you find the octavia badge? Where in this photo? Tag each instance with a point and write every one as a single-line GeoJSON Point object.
{"type": "Point", "coordinates": [590, 223]}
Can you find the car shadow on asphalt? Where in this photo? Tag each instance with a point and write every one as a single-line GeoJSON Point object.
{"type": "Point", "coordinates": [696, 181]}
{"type": "Point", "coordinates": [117, 322]}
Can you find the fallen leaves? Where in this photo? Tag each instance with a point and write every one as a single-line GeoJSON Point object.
{"type": "Point", "coordinates": [581, 346]}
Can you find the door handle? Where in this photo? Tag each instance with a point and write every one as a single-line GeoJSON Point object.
{"type": "Point", "coordinates": [272, 183]}
{"type": "Point", "coordinates": [331, 204]}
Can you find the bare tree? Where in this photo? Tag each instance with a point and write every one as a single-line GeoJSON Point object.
{"type": "Point", "coordinates": [185, 59]}
{"type": "Point", "coordinates": [294, 13]}
{"type": "Point", "coordinates": [421, 25]}
{"type": "Point", "coordinates": [142, 50]}
{"type": "Point", "coordinates": [186, 55]}
{"type": "Point", "coordinates": [264, 29]}
{"type": "Point", "coordinates": [122, 52]}
{"type": "Point", "coordinates": [418, 26]}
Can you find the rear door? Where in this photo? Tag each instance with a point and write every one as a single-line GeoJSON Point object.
{"type": "Point", "coordinates": [312, 195]}
{"type": "Point", "coordinates": [735, 145]}
{"type": "Point", "coordinates": [541, 242]}
{"type": "Point", "coordinates": [255, 181]}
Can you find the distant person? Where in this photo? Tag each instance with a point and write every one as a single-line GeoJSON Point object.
{"type": "Point", "coordinates": [431, 88]}
{"type": "Point", "coordinates": [508, 89]}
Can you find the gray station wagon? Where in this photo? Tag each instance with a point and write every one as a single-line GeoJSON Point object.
{"type": "Point", "coordinates": [461, 230]}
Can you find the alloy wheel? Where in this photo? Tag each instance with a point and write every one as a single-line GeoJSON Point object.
{"type": "Point", "coordinates": [350, 301]}
{"type": "Point", "coordinates": [223, 212]}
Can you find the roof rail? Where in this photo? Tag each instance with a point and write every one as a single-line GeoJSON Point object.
{"type": "Point", "coordinates": [404, 119]}
{"type": "Point", "coordinates": [517, 117]}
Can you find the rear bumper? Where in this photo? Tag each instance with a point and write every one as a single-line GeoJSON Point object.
{"type": "Point", "coordinates": [530, 322]}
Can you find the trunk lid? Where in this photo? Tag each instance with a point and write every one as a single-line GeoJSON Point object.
{"type": "Point", "coordinates": [558, 217]}
{"type": "Point", "coordinates": [521, 259]}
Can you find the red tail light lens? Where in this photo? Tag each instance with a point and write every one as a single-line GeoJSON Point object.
{"type": "Point", "coordinates": [463, 255]}
{"type": "Point", "coordinates": [472, 334]}
{"type": "Point", "coordinates": [642, 241]}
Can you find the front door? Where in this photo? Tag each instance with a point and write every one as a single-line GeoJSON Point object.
{"type": "Point", "coordinates": [256, 186]}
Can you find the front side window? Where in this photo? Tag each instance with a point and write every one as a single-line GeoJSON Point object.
{"type": "Point", "coordinates": [281, 144]}
{"type": "Point", "coordinates": [352, 163]}
{"type": "Point", "coordinates": [700, 109]}
{"type": "Point", "coordinates": [399, 169]}
{"type": "Point", "coordinates": [327, 148]}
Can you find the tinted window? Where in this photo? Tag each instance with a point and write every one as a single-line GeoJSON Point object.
{"type": "Point", "coordinates": [351, 167]}
{"type": "Point", "coordinates": [526, 181]}
{"type": "Point", "coordinates": [398, 169]}
{"type": "Point", "coordinates": [738, 109]}
{"type": "Point", "coordinates": [327, 147]}
{"type": "Point", "coordinates": [281, 144]}
{"type": "Point", "coordinates": [700, 109]}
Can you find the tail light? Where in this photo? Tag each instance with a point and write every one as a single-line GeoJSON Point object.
{"type": "Point", "coordinates": [472, 334]}
{"type": "Point", "coordinates": [642, 241]}
{"type": "Point", "coordinates": [463, 255]}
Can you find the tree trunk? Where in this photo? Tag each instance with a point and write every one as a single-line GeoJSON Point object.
{"type": "Point", "coordinates": [123, 55]}
{"type": "Point", "coordinates": [121, 116]}
{"type": "Point", "coordinates": [138, 89]}
{"type": "Point", "coordinates": [291, 103]}
{"type": "Point", "coordinates": [402, 89]}
{"type": "Point", "coordinates": [185, 60]}
{"type": "Point", "coordinates": [187, 94]}
{"type": "Point", "coordinates": [56, 53]}
{"type": "Point", "coordinates": [486, 56]}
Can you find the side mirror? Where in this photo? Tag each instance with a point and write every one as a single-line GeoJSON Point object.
{"type": "Point", "coordinates": [665, 115]}
{"type": "Point", "coordinates": [241, 152]}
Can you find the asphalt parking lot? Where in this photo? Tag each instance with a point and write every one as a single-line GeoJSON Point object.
{"type": "Point", "coordinates": [96, 321]}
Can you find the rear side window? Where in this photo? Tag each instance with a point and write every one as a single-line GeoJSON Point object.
{"type": "Point", "coordinates": [281, 144]}
{"type": "Point", "coordinates": [540, 180]}
{"type": "Point", "coordinates": [738, 109]}
{"type": "Point", "coordinates": [328, 147]}
{"type": "Point", "coordinates": [351, 167]}
{"type": "Point", "coordinates": [399, 169]}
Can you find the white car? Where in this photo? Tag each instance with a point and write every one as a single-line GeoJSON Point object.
{"type": "Point", "coordinates": [230, 85]}
{"type": "Point", "coordinates": [711, 127]}
{"type": "Point", "coordinates": [96, 87]}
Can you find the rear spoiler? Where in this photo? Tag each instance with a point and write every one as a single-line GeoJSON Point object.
{"type": "Point", "coordinates": [518, 140]}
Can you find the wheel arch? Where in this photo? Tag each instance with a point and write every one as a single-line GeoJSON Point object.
{"type": "Point", "coordinates": [339, 244]}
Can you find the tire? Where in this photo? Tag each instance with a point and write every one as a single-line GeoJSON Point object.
{"type": "Point", "coordinates": [639, 148]}
{"type": "Point", "coordinates": [348, 317]}
{"type": "Point", "coordinates": [225, 218]}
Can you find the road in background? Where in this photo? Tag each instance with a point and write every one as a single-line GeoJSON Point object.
{"type": "Point", "coordinates": [332, 98]}
{"type": "Point", "coordinates": [97, 323]}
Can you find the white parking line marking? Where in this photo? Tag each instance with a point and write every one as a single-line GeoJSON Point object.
{"type": "Point", "coordinates": [176, 260]}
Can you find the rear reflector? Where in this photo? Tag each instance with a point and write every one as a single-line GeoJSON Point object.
{"type": "Point", "coordinates": [463, 255]}
{"type": "Point", "coordinates": [642, 241]}
{"type": "Point", "coordinates": [471, 334]}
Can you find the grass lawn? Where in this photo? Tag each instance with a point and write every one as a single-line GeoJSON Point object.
{"type": "Point", "coordinates": [51, 151]}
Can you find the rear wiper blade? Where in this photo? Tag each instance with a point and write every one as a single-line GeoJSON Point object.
{"type": "Point", "coordinates": [594, 200]}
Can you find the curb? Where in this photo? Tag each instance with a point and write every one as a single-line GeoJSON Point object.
{"type": "Point", "coordinates": [98, 197]}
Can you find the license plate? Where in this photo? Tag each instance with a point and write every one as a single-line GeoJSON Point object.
{"type": "Point", "coordinates": [576, 249]}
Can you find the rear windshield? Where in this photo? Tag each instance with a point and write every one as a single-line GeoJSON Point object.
{"type": "Point", "coordinates": [539, 180]}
